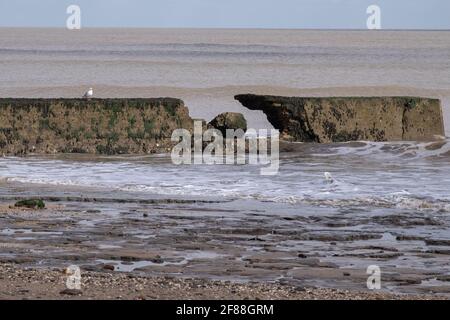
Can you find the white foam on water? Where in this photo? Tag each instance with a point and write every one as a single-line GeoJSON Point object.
{"type": "Point", "coordinates": [400, 175]}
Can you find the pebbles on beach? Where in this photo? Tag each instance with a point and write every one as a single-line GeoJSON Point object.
{"type": "Point", "coordinates": [19, 283]}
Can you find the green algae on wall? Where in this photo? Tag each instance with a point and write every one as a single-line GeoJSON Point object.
{"type": "Point", "coordinates": [97, 126]}
{"type": "Point", "coordinates": [340, 119]}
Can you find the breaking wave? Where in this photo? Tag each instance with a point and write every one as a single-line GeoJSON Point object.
{"type": "Point", "coordinates": [410, 176]}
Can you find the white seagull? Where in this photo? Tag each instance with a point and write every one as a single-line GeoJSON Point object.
{"type": "Point", "coordinates": [328, 177]}
{"type": "Point", "coordinates": [89, 94]}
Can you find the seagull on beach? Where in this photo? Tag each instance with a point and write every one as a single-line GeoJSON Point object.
{"type": "Point", "coordinates": [328, 177]}
{"type": "Point", "coordinates": [88, 94]}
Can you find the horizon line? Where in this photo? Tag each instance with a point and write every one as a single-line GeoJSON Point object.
{"type": "Point", "coordinates": [224, 28]}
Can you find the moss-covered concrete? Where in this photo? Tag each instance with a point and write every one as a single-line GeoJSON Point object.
{"type": "Point", "coordinates": [102, 126]}
{"type": "Point", "coordinates": [339, 119]}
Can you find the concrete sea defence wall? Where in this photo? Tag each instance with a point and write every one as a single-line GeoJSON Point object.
{"type": "Point", "coordinates": [339, 119]}
{"type": "Point", "coordinates": [97, 126]}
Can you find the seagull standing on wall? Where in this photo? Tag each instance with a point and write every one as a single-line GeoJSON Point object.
{"type": "Point", "coordinates": [89, 94]}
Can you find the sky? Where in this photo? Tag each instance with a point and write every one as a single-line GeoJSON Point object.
{"type": "Point", "coordinates": [301, 14]}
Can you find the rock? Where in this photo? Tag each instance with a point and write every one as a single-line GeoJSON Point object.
{"type": "Point", "coordinates": [409, 238]}
{"type": "Point", "coordinates": [93, 211]}
{"type": "Point", "coordinates": [445, 278]}
{"type": "Point", "coordinates": [157, 260]}
{"type": "Point", "coordinates": [229, 120]}
{"type": "Point", "coordinates": [341, 119]}
{"type": "Point", "coordinates": [437, 242]}
{"type": "Point", "coordinates": [109, 267]}
{"type": "Point", "coordinates": [71, 292]}
{"type": "Point", "coordinates": [30, 203]}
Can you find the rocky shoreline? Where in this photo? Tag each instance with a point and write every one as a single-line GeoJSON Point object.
{"type": "Point", "coordinates": [118, 237]}
{"type": "Point", "coordinates": [33, 284]}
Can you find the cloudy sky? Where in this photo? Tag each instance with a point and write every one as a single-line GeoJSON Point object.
{"type": "Point", "coordinates": [327, 14]}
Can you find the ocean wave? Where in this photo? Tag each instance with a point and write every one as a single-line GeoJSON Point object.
{"type": "Point", "coordinates": [323, 197]}
{"type": "Point", "coordinates": [389, 201]}
{"type": "Point", "coordinates": [402, 175]}
{"type": "Point", "coordinates": [402, 149]}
